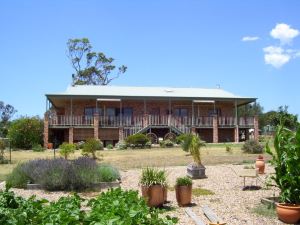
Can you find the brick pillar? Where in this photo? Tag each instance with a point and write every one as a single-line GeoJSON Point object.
{"type": "Point", "coordinates": [71, 131]}
{"type": "Point", "coordinates": [256, 128]}
{"type": "Point", "coordinates": [215, 129]}
{"type": "Point", "coordinates": [96, 126]}
{"type": "Point", "coordinates": [121, 133]}
{"type": "Point", "coordinates": [194, 130]}
{"type": "Point", "coordinates": [236, 134]}
{"type": "Point", "coordinates": [46, 130]}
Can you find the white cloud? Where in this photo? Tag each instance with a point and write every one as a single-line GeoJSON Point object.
{"type": "Point", "coordinates": [250, 38]}
{"type": "Point", "coordinates": [276, 56]}
{"type": "Point", "coordinates": [284, 33]}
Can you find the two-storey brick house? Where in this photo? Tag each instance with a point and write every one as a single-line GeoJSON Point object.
{"type": "Point", "coordinates": [111, 113]}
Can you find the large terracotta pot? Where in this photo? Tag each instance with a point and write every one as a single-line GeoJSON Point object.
{"type": "Point", "coordinates": [260, 165]}
{"type": "Point", "coordinates": [154, 195]}
{"type": "Point", "coordinates": [288, 213]}
{"type": "Point", "coordinates": [50, 146]}
{"type": "Point", "coordinates": [183, 195]}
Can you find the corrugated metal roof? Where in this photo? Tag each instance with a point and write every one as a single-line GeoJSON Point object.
{"type": "Point", "coordinates": [123, 91]}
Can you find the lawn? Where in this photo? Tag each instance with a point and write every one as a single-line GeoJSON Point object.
{"type": "Point", "coordinates": [212, 154]}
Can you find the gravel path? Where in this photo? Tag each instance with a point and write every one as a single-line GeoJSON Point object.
{"type": "Point", "coordinates": [229, 201]}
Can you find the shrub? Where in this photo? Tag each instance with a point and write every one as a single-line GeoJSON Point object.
{"type": "Point", "coordinates": [121, 145]}
{"type": "Point", "coordinates": [152, 176]}
{"type": "Point", "coordinates": [137, 140]}
{"type": "Point", "coordinates": [252, 146]}
{"type": "Point", "coordinates": [25, 132]}
{"type": "Point", "coordinates": [109, 146]}
{"type": "Point", "coordinates": [91, 146]}
{"type": "Point", "coordinates": [17, 178]}
{"type": "Point", "coordinates": [108, 173]}
{"type": "Point", "coordinates": [228, 148]}
{"type": "Point", "coordinates": [184, 181]}
{"type": "Point", "coordinates": [124, 207]}
{"type": "Point", "coordinates": [193, 144]}
{"type": "Point", "coordinates": [79, 145]}
{"type": "Point", "coordinates": [2, 156]}
{"type": "Point", "coordinates": [37, 148]}
{"type": "Point", "coordinates": [65, 149]}
{"type": "Point", "coordinates": [166, 144]}
{"type": "Point", "coordinates": [179, 139]}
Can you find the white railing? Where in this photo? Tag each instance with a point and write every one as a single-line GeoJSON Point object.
{"type": "Point", "coordinates": [246, 121]}
{"type": "Point", "coordinates": [226, 121]}
{"type": "Point", "coordinates": [71, 120]}
{"type": "Point", "coordinates": [203, 121]}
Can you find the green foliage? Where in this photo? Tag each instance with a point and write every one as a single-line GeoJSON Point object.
{"type": "Point", "coordinates": [6, 113]}
{"type": "Point", "coordinates": [25, 132]}
{"type": "Point", "coordinates": [265, 210]}
{"type": "Point", "coordinates": [17, 178]}
{"type": "Point", "coordinates": [2, 155]}
{"type": "Point", "coordinates": [137, 140]}
{"type": "Point", "coordinates": [113, 207]}
{"type": "Point", "coordinates": [121, 145]}
{"type": "Point", "coordinates": [228, 148]}
{"type": "Point", "coordinates": [286, 161]}
{"type": "Point", "coordinates": [252, 146]}
{"type": "Point", "coordinates": [91, 146]}
{"type": "Point", "coordinates": [201, 191]}
{"type": "Point", "coordinates": [153, 176]}
{"type": "Point", "coordinates": [180, 138]}
{"type": "Point", "coordinates": [184, 181]}
{"type": "Point", "coordinates": [192, 143]}
{"type": "Point", "coordinates": [166, 144]}
{"type": "Point", "coordinates": [92, 68]}
{"type": "Point", "coordinates": [124, 207]}
{"type": "Point", "coordinates": [109, 146]}
{"type": "Point", "coordinates": [37, 148]}
{"type": "Point", "coordinates": [65, 149]}
{"type": "Point", "coordinates": [79, 145]}
{"type": "Point", "coordinates": [108, 173]}
{"type": "Point", "coordinates": [186, 140]}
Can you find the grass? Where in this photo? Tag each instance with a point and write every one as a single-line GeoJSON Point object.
{"type": "Point", "coordinates": [201, 191]}
{"type": "Point", "coordinates": [212, 154]}
{"type": "Point", "coordinates": [264, 210]}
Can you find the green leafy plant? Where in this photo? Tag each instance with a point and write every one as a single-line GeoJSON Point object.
{"type": "Point", "coordinates": [17, 178]}
{"type": "Point", "coordinates": [252, 146]}
{"type": "Point", "coordinates": [286, 161]}
{"type": "Point", "coordinates": [184, 181]}
{"type": "Point", "coordinates": [137, 140]}
{"type": "Point", "coordinates": [2, 155]}
{"type": "Point", "coordinates": [109, 146]}
{"type": "Point", "coordinates": [121, 145]}
{"type": "Point", "coordinates": [153, 176]}
{"type": "Point", "coordinates": [37, 148]}
{"type": "Point", "coordinates": [65, 149]}
{"type": "Point", "coordinates": [180, 138]}
{"type": "Point", "coordinates": [228, 148]}
{"type": "Point", "coordinates": [108, 173]}
{"type": "Point", "coordinates": [166, 144]}
{"type": "Point", "coordinates": [192, 143]}
{"type": "Point", "coordinates": [91, 146]}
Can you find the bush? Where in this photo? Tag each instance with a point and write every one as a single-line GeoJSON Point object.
{"type": "Point", "coordinates": [25, 132]}
{"type": "Point", "coordinates": [17, 178]}
{"type": "Point", "coordinates": [252, 146]}
{"type": "Point", "coordinates": [91, 146]}
{"type": "Point", "coordinates": [179, 139]}
{"type": "Point", "coordinates": [137, 140]}
{"type": "Point", "coordinates": [65, 149]}
{"type": "Point", "coordinates": [37, 148]}
{"type": "Point", "coordinates": [79, 145]}
{"type": "Point", "coordinates": [184, 181]}
{"type": "Point", "coordinates": [228, 148]}
{"type": "Point", "coordinates": [109, 146]}
{"type": "Point", "coordinates": [108, 173]}
{"type": "Point", "coordinates": [166, 144]}
{"type": "Point", "coordinates": [61, 174]}
{"type": "Point", "coordinates": [121, 145]}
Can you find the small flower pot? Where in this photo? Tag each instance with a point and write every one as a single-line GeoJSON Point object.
{"type": "Point", "coordinates": [260, 165]}
{"type": "Point", "coordinates": [154, 195]}
{"type": "Point", "coordinates": [288, 213]}
{"type": "Point", "coordinates": [183, 195]}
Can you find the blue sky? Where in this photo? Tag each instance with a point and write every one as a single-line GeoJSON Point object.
{"type": "Point", "coordinates": [190, 43]}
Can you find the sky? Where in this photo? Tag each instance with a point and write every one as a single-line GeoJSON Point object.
{"type": "Point", "coordinates": [250, 48]}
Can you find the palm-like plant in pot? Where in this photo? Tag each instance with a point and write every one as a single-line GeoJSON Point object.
{"type": "Point", "coordinates": [286, 161]}
{"type": "Point", "coordinates": [153, 183]}
{"type": "Point", "coordinates": [193, 143]}
{"type": "Point", "coordinates": [183, 189]}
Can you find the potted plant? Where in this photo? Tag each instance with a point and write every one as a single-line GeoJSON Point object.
{"type": "Point", "coordinates": [192, 143]}
{"type": "Point", "coordinates": [260, 164]}
{"type": "Point", "coordinates": [286, 161]}
{"type": "Point", "coordinates": [183, 189]}
{"type": "Point", "coordinates": [153, 185]}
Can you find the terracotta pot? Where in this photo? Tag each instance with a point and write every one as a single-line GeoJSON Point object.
{"type": "Point", "coordinates": [288, 213]}
{"type": "Point", "coordinates": [260, 165]}
{"type": "Point", "coordinates": [50, 146]}
{"type": "Point", "coordinates": [165, 191]}
{"type": "Point", "coordinates": [154, 195]}
{"type": "Point", "coordinates": [183, 195]}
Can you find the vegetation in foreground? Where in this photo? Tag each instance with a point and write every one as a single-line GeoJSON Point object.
{"type": "Point", "coordinates": [113, 207]}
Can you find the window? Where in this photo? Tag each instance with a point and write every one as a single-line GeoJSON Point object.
{"type": "Point", "coordinates": [212, 112]}
{"type": "Point", "coordinates": [90, 111]}
{"type": "Point", "coordinates": [127, 112]}
{"type": "Point", "coordinates": [182, 112]}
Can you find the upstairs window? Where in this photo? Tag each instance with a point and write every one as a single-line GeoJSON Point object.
{"type": "Point", "coordinates": [181, 112]}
